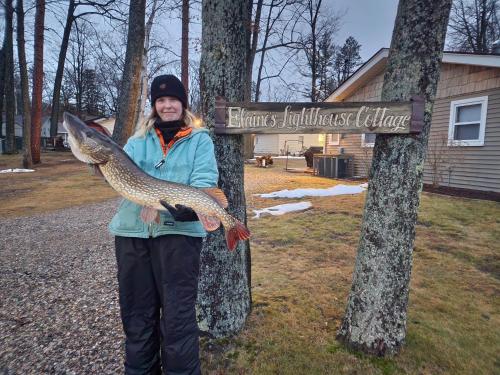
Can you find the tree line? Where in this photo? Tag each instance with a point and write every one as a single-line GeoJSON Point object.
{"type": "Point", "coordinates": [294, 54]}
{"type": "Point", "coordinates": [85, 44]}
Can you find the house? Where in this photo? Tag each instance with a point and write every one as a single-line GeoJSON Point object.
{"type": "Point", "coordinates": [279, 144]}
{"type": "Point", "coordinates": [18, 132]}
{"type": "Point", "coordinates": [102, 124]}
{"type": "Point", "coordinates": [464, 142]}
{"type": "Point", "coordinates": [18, 126]}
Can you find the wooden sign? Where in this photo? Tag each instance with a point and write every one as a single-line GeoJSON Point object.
{"type": "Point", "coordinates": [332, 117]}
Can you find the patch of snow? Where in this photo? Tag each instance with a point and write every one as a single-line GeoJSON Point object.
{"type": "Point", "coordinates": [299, 193]}
{"type": "Point", "coordinates": [16, 170]}
{"type": "Point", "coordinates": [282, 209]}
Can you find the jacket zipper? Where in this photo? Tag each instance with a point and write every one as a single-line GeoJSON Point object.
{"type": "Point", "coordinates": [163, 162]}
{"type": "Point", "coordinates": [164, 157]}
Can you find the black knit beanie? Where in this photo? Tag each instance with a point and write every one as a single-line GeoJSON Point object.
{"type": "Point", "coordinates": [168, 85]}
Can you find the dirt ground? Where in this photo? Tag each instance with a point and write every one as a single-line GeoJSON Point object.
{"type": "Point", "coordinates": [464, 193]}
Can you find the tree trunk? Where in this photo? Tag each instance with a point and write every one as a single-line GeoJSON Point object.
{"type": "Point", "coordinates": [2, 82]}
{"type": "Point", "coordinates": [248, 139]}
{"type": "Point", "coordinates": [27, 161]}
{"type": "Point", "coordinates": [10, 102]}
{"type": "Point", "coordinates": [185, 46]}
{"type": "Point", "coordinates": [253, 47]}
{"type": "Point", "coordinates": [36, 99]}
{"type": "Point", "coordinates": [130, 88]}
{"type": "Point", "coordinates": [263, 52]}
{"type": "Point", "coordinates": [56, 95]}
{"type": "Point", "coordinates": [224, 290]}
{"type": "Point", "coordinates": [375, 318]}
{"type": "Point", "coordinates": [143, 97]}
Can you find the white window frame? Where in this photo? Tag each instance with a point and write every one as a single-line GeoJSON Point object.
{"type": "Point", "coordinates": [331, 141]}
{"type": "Point", "coordinates": [483, 100]}
{"type": "Point", "coordinates": [366, 144]}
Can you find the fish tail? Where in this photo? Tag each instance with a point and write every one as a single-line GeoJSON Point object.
{"type": "Point", "coordinates": [238, 232]}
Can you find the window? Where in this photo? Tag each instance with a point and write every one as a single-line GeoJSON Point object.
{"type": "Point", "coordinates": [368, 139]}
{"type": "Point", "coordinates": [467, 122]}
{"type": "Point", "coordinates": [334, 139]}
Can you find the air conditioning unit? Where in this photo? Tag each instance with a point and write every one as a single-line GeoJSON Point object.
{"type": "Point", "coordinates": [332, 166]}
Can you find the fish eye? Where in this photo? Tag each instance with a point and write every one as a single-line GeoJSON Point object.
{"type": "Point", "coordinates": [89, 134]}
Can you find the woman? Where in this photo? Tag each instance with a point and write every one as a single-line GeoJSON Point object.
{"type": "Point", "coordinates": [158, 263]}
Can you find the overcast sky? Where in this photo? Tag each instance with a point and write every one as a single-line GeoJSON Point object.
{"type": "Point", "coordinates": [369, 21]}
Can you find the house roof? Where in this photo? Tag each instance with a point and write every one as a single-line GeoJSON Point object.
{"type": "Point", "coordinates": [376, 64]}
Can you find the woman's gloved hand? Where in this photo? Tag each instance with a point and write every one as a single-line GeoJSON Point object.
{"type": "Point", "coordinates": [180, 212]}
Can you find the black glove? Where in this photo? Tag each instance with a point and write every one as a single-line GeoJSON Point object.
{"type": "Point", "coordinates": [180, 212]}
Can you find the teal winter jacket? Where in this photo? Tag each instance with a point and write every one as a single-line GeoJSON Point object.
{"type": "Point", "coordinates": [190, 161]}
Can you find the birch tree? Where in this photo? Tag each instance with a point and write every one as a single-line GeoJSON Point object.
{"type": "Point", "coordinates": [224, 287]}
{"type": "Point", "coordinates": [376, 314]}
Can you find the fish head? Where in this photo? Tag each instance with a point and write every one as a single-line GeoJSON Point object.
{"type": "Point", "coordinates": [87, 144]}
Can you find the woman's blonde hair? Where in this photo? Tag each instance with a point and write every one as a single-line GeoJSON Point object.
{"type": "Point", "coordinates": [189, 119]}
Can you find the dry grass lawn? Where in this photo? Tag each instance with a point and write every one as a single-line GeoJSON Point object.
{"type": "Point", "coordinates": [302, 266]}
{"type": "Point", "coordinates": [60, 181]}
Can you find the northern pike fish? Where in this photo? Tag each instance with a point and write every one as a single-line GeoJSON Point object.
{"type": "Point", "coordinates": [120, 171]}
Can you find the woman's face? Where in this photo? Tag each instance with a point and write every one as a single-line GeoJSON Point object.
{"type": "Point", "coordinates": [168, 108]}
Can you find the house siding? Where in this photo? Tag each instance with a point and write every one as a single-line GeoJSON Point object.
{"type": "Point", "coordinates": [475, 167]}
{"type": "Point", "coordinates": [351, 143]}
{"type": "Point", "coordinates": [266, 144]}
{"type": "Point", "coordinates": [276, 144]}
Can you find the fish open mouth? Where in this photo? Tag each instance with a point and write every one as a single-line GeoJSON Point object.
{"type": "Point", "coordinates": [78, 138]}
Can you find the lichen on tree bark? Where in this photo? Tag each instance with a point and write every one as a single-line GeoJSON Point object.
{"type": "Point", "coordinates": [224, 288]}
{"type": "Point", "coordinates": [376, 313]}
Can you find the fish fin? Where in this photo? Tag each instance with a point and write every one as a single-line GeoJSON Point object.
{"type": "Point", "coordinates": [149, 214]}
{"type": "Point", "coordinates": [218, 195]}
{"type": "Point", "coordinates": [95, 170]}
{"type": "Point", "coordinates": [210, 223]}
{"type": "Point", "coordinates": [238, 232]}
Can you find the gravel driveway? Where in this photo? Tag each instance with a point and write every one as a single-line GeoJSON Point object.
{"type": "Point", "coordinates": [59, 311]}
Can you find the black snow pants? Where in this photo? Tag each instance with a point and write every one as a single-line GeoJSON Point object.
{"type": "Point", "coordinates": [158, 282]}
